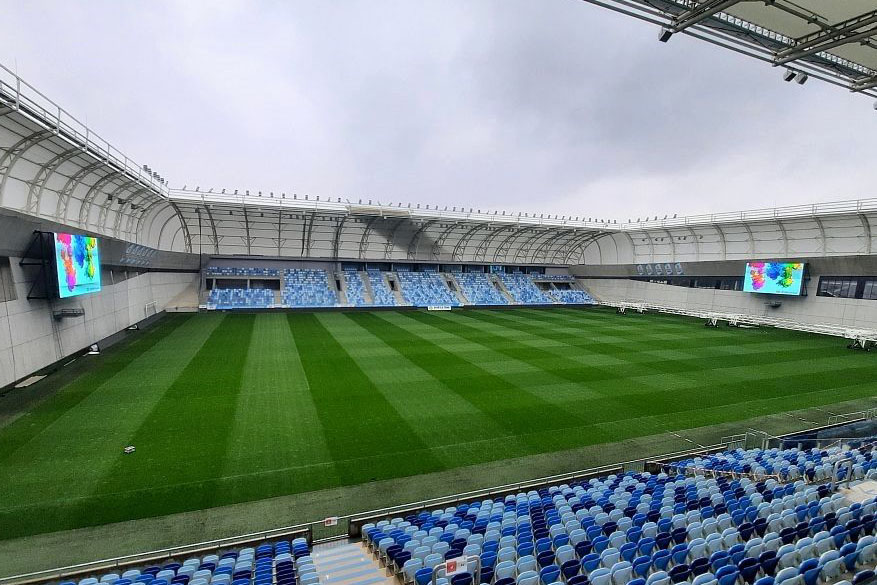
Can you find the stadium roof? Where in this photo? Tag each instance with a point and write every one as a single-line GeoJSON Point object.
{"type": "Point", "coordinates": [829, 40]}
{"type": "Point", "coordinates": [56, 167]}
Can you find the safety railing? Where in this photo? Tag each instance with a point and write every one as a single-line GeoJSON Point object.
{"type": "Point", "coordinates": [707, 472]}
{"type": "Point", "coordinates": [207, 547]}
{"type": "Point", "coordinates": [838, 465]}
{"type": "Point", "coordinates": [21, 96]}
{"type": "Point", "coordinates": [861, 415]}
{"type": "Point", "coordinates": [858, 335]}
{"type": "Point", "coordinates": [336, 527]}
{"type": "Point", "coordinates": [350, 525]}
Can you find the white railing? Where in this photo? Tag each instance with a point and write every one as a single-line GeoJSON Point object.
{"type": "Point", "coordinates": [348, 525]}
{"type": "Point", "coordinates": [25, 98]}
{"type": "Point", "coordinates": [847, 207]}
{"type": "Point", "coordinates": [856, 334]}
{"type": "Point", "coordinates": [158, 555]}
{"type": "Point", "coordinates": [340, 205]}
{"type": "Point", "coordinates": [345, 206]}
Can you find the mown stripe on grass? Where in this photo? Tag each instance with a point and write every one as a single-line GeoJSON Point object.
{"type": "Point", "coordinates": [514, 408]}
{"type": "Point", "coordinates": [552, 365]}
{"type": "Point", "coordinates": [433, 410]}
{"type": "Point", "coordinates": [276, 424]}
{"type": "Point", "coordinates": [640, 349]}
{"type": "Point", "coordinates": [87, 438]}
{"type": "Point", "coordinates": [68, 460]}
{"type": "Point", "coordinates": [184, 439]}
{"type": "Point", "coordinates": [367, 437]}
{"type": "Point", "coordinates": [753, 381]}
{"type": "Point", "coordinates": [660, 360]}
{"type": "Point", "coordinates": [111, 362]}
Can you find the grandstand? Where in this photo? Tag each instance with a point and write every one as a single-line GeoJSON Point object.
{"type": "Point", "coordinates": [304, 287]}
{"type": "Point", "coordinates": [355, 288]}
{"type": "Point", "coordinates": [523, 290]}
{"type": "Point", "coordinates": [207, 388]}
{"type": "Point", "coordinates": [381, 294]}
{"type": "Point", "coordinates": [480, 289]}
{"type": "Point", "coordinates": [424, 289]}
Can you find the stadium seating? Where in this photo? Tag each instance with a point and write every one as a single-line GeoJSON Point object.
{"type": "Point", "coordinates": [228, 271]}
{"type": "Point", "coordinates": [305, 287]}
{"type": "Point", "coordinates": [426, 289]}
{"type": "Point", "coordinates": [789, 465]}
{"type": "Point", "coordinates": [382, 296]}
{"type": "Point", "coordinates": [478, 288]}
{"type": "Point", "coordinates": [573, 297]}
{"type": "Point", "coordinates": [522, 289]}
{"type": "Point", "coordinates": [355, 288]}
{"type": "Point", "coordinates": [280, 563]}
{"type": "Point", "coordinates": [240, 298]}
{"type": "Point", "coordinates": [640, 528]}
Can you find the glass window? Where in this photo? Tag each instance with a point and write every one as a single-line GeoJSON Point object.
{"type": "Point", "coordinates": [844, 288]}
{"type": "Point", "coordinates": [870, 291]}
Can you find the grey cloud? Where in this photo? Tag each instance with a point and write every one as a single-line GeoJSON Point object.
{"type": "Point", "coordinates": [552, 106]}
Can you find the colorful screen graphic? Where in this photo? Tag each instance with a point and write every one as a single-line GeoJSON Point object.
{"type": "Point", "coordinates": [78, 264]}
{"type": "Point", "coordinates": [779, 278]}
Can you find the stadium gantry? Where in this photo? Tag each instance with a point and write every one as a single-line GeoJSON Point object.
{"type": "Point", "coordinates": [830, 41]}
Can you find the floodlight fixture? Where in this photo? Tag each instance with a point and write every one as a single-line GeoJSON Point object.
{"type": "Point", "coordinates": [801, 78]}
{"type": "Point", "coordinates": [789, 75]}
{"type": "Point", "coordinates": [665, 34]}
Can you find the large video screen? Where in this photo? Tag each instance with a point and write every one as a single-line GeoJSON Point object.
{"type": "Point", "coordinates": [779, 278]}
{"type": "Point", "coordinates": [77, 261]}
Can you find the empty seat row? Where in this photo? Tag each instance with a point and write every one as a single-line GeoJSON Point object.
{"type": "Point", "coordinates": [479, 289]}
{"type": "Point", "coordinates": [639, 528]}
{"type": "Point", "coordinates": [307, 287]}
{"type": "Point", "coordinates": [241, 271]}
{"type": "Point", "coordinates": [279, 563]}
{"type": "Point", "coordinates": [425, 289]}
{"type": "Point", "coordinates": [572, 296]}
{"type": "Point", "coordinates": [240, 298]}
{"type": "Point", "coordinates": [523, 290]}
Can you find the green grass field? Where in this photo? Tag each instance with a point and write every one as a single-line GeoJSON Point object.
{"type": "Point", "coordinates": [226, 408]}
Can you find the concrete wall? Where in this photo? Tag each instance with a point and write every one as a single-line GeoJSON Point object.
{"type": "Point", "coordinates": [30, 338]}
{"type": "Point", "coordinates": [810, 309]}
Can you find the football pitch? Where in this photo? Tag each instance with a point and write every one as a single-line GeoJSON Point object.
{"type": "Point", "coordinates": [226, 408]}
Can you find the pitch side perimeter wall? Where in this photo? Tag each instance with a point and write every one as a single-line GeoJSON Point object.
{"type": "Point", "coordinates": [31, 338]}
{"type": "Point", "coordinates": [132, 276]}
{"type": "Point", "coordinates": [614, 282]}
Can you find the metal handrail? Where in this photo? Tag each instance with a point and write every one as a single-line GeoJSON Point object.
{"type": "Point", "coordinates": [30, 101]}
{"type": "Point", "coordinates": [845, 332]}
{"type": "Point", "coordinates": [157, 555]}
{"type": "Point", "coordinates": [705, 471]}
{"type": "Point", "coordinates": [340, 205]}
{"type": "Point", "coordinates": [355, 520]}
{"type": "Point", "coordinates": [836, 469]}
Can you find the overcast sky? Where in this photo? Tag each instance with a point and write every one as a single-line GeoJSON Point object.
{"type": "Point", "coordinates": [523, 105]}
